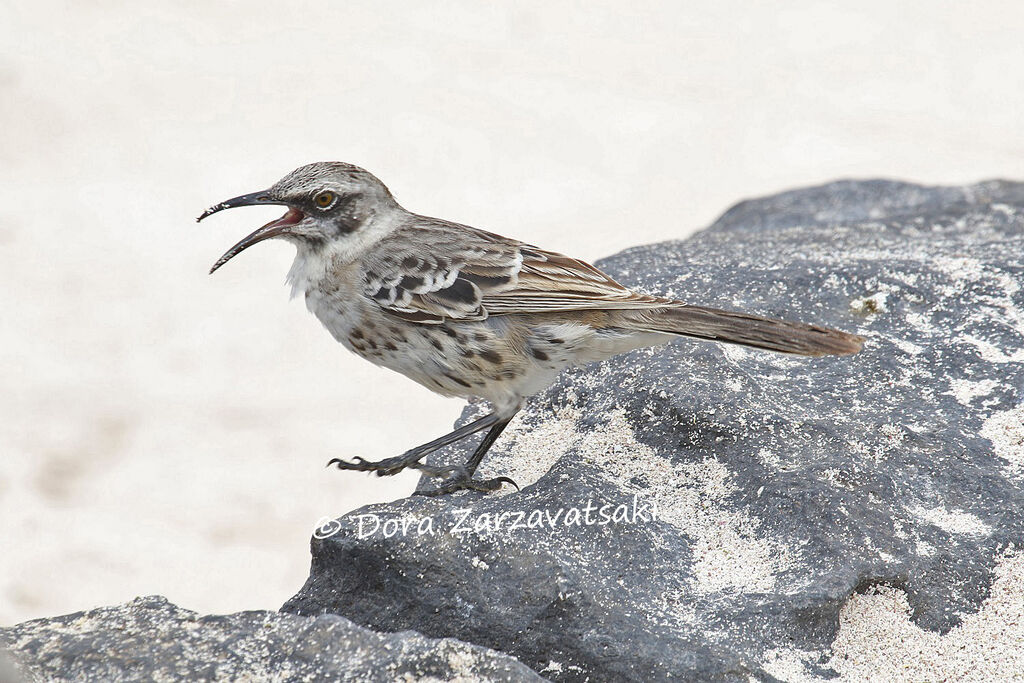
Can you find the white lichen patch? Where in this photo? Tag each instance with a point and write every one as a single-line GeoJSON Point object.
{"type": "Point", "coordinates": [790, 664]}
{"type": "Point", "coordinates": [730, 551]}
{"type": "Point", "coordinates": [734, 353]}
{"type": "Point", "coordinates": [769, 458]}
{"type": "Point", "coordinates": [921, 322]}
{"type": "Point", "coordinates": [1005, 429]}
{"type": "Point", "coordinates": [965, 391]}
{"type": "Point", "coordinates": [834, 477]}
{"type": "Point", "coordinates": [992, 353]}
{"type": "Point", "coordinates": [951, 521]}
{"type": "Point", "coordinates": [462, 662]}
{"type": "Point", "coordinates": [959, 268]}
{"type": "Point", "coordinates": [527, 451]}
{"type": "Point", "coordinates": [552, 667]}
{"type": "Point", "coordinates": [877, 641]}
{"type": "Point", "coordinates": [893, 432]}
{"type": "Point", "coordinates": [909, 348]}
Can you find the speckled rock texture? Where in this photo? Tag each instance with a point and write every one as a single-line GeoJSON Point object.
{"type": "Point", "coordinates": [149, 639]}
{"type": "Point", "coordinates": [690, 511]}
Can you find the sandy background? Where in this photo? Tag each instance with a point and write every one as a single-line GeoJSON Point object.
{"type": "Point", "coordinates": [162, 431]}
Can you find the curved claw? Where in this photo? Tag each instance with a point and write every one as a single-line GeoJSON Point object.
{"type": "Point", "coordinates": [357, 463]}
{"type": "Point", "coordinates": [383, 468]}
{"type": "Point", "coordinates": [506, 480]}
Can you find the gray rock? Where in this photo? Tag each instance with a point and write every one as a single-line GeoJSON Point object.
{"type": "Point", "coordinates": [782, 485]}
{"type": "Point", "coordinates": [150, 639]}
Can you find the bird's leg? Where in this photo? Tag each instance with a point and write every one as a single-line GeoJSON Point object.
{"type": "Point", "coordinates": [461, 476]}
{"type": "Point", "coordinates": [412, 457]}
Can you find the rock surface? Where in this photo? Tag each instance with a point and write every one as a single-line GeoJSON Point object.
{"type": "Point", "coordinates": [149, 639]}
{"type": "Point", "coordinates": [782, 486]}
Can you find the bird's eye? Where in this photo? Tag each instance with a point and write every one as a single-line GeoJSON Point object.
{"type": "Point", "coordinates": [324, 199]}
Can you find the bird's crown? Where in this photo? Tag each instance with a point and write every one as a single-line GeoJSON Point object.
{"type": "Point", "coordinates": [337, 175]}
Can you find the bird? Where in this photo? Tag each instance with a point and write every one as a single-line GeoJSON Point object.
{"type": "Point", "coordinates": [472, 314]}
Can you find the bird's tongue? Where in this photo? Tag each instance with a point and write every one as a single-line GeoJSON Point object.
{"type": "Point", "coordinates": [291, 218]}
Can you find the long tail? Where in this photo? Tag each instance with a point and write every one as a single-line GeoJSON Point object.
{"type": "Point", "coordinates": [748, 330]}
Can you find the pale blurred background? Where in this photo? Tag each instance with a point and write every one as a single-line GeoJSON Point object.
{"type": "Point", "coordinates": [164, 431]}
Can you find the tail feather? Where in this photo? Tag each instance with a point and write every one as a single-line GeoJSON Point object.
{"type": "Point", "coordinates": [747, 330]}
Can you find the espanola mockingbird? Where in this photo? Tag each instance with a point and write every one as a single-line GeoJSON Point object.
{"type": "Point", "coordinates": [469, 313]}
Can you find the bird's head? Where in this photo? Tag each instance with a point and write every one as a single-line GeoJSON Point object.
{"type": "Point", "coordinates": [327, 202]}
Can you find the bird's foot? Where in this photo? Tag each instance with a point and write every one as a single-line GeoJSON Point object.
{"type": "Point", "coordinates": [459, 479]}
{"type": "Point", "coordinates": [383, 468]}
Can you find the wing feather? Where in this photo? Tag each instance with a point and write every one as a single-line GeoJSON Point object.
{"type": "Point", "coordinates": [431, 270]}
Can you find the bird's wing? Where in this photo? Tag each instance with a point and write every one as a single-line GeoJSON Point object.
{"type": "Point", "coordinates": [434, 270]}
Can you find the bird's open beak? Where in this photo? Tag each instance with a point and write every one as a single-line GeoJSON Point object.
{"type": "Point", "coordinates": [271, 229]}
